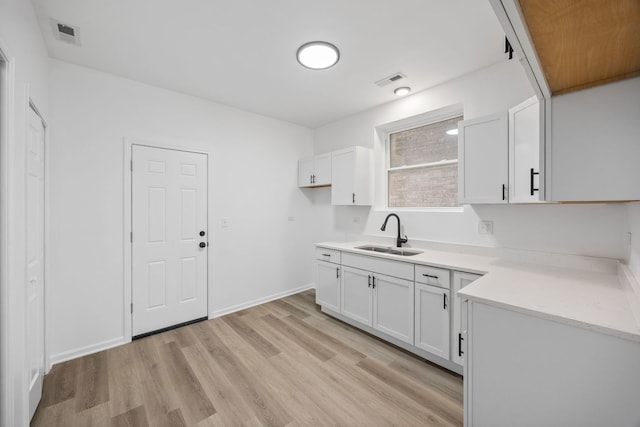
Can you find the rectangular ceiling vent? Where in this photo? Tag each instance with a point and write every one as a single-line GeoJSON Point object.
{"type": "Point", "coordinates": [391, 79]}
{"type": "Point", "coordinates": [66, 33]}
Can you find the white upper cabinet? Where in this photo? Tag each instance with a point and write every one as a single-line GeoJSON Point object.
{"type": "Point", "coordinates": [351, 177]}
{"type": "Point", "coordinates": [502, 156]}
{"type": "Point", "coordinates": [315, 171]}
{"type": "Point", "coordinates": [483, 159]}
{"type": "Point", "coordinates": [526, 150]}
{"type": "Point", "coordinates": [595, 144]}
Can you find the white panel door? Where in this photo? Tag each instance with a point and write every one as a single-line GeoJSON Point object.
{"type": "Point", "coordinates": [35, 258]}
{"type": "Point", "coordinates": [343, 177]}
{"type": "Point", "coordinates": [322, 169]}
{"type": "Point", "coordinates": [525, 180]}
{"type": "Point", "coordinates": [305, 172]}
{"type": "Point", "coordinates": [355, 301]}
{"type": "Point", "coordinates": [393, 306]}
{"type": "Point", "coordinates": [483, 170]}
{"type": "Point", "coordinates": [460, 280]}
{"type": "Point", "coordinates": [328, 285]}
{"type": "Point", "coordinates": [432, 319]}
{"type": "Point", "coordinates": [169, 225]}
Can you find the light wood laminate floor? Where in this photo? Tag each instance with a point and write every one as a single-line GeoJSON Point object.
{"type": "Point", "coordinates": [283, 363]}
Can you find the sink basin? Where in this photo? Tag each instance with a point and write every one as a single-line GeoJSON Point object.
{"type": "Point", "coordinates": [389, 250]}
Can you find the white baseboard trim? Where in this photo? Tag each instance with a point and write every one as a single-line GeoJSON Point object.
{"type": "Point", "coordinates": [105, 345]}
{"type": "Point", "coordinates": [83, 351]}
{"type": "Point", "coordinates": [243, 306]}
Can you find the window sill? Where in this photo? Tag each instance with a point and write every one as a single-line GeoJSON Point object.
{"type": "Point", "coordinates": [452, 209]}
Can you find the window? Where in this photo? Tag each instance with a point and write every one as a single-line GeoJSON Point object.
{"type": "Point", "coordinates": [422, 168]}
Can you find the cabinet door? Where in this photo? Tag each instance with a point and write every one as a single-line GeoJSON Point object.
{"type": "Point", "coordinates": [322, 169]}
{"type": "Point", "coordinates": [355, 301]}
{"type": "Point", "coordinates": [343, 177]}
{"type": "Point", "coordinates": [328, 285]}
{"type": "Point", "coordinates": [305, 171]}
{"type": "Point", "coordinates": [525, 172]}
{"type": "Point", "coordinates": [393, 306]}
{"type": "Point", "coordinates": [432, 319]}
{"type": "Point", "coordinates": [460, 280]}
{"type": "Point", "coordinates": [483, 172]}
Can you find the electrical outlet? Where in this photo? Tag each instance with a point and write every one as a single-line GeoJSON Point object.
{"type": "Point", "coordinates": [485, 227]}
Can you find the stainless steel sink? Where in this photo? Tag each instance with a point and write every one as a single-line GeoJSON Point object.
{"type": "Point", "coordinates": [389, 250]}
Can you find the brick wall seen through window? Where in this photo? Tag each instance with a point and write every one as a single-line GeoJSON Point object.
{"type": "Point", "coordinates": [423, 166]}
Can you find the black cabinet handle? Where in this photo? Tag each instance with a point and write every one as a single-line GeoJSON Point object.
{"type": "Point", "coordinates": [326, 255]}
{"type": "Point", "coordinates": [531, 186]}
{"type": "Point", "coordinates": [374, 282]}
{"type": "Point", "coordinates": [369, 280]}
{"type": "Point", "coordinates": [460, 339]}
{"type": "Point", "coordinates": [429, 275]}
{"type": "Point", "coordinates": [353, 197]}
{"type": "Point", "coordinates": [202, 233]}
{"type": "Point", "coordinates": [202, 244]}
{"type": "Point", "coordinates": [444, 301]}
{"type": "Point", "coordinates": [337, 272]}
{"type": "Point", "coordinates": [503, 188]}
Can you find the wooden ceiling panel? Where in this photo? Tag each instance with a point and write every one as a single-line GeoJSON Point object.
{"type": "Point", "coordinates": [584, 43]}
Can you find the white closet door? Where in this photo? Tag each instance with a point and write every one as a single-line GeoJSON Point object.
{"type": "Point", "coordinates": [35, 258]}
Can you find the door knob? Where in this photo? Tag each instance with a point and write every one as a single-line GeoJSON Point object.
{"type": "Point", "coordinates": [203, 245]}
{"type": "Point", "coordinates": [202, 233]}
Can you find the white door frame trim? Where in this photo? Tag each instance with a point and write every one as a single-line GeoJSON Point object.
{"type": "Point", "coordinates": [126, 230]}
{"type": "Point", "coordinates": [7, 101]}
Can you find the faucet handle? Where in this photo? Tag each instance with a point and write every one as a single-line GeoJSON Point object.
{"type": "Point", "coordinates": [405, 239]}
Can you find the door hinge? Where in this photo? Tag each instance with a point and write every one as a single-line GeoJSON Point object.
{"type": "Point", "coordinates": [131, 308]}
{"type": "Point", "coordinates": [131, 236]}
{"type": "Point", "coordinates": [131, 165]}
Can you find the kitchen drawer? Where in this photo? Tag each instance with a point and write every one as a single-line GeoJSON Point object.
{"type": "Point", "coordinates": [433, 276]}
{"type": "Point", "coordinates": [329, 255]}
{"type": "Point", "coordinates": [403, 270]}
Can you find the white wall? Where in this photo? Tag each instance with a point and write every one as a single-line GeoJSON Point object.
{"type": "Point", "coordinates": [254, 176]}
{"type": "Point", "coordinates": [20, 38]}
{"type": "Point", "coordinates": [597, 230]}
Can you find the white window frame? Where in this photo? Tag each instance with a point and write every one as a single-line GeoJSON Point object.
{"type": "Point", "coordinates": [424, 119]}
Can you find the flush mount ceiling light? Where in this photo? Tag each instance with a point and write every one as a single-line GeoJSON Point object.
{"type": "Point", "coordinates": [318, 55]}
{"type": "Point", "coordinates": [453, 131]}
{"type": "Point", "coordinates": [402, 91]}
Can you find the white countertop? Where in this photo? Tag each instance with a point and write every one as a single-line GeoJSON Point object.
{"type": "Point", "coordinates": [584, 294]}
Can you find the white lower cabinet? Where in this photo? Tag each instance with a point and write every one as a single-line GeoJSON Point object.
{"type": "Point", "coordinates": [328, 278]}
{"type": "Point", "coordinates": [530, 371]}
{"type": "Point", "coordinates": [432, 307]}
{"type": "Point", "coordinates": [414, 306]}
{"type": "Point", "coordinates": [382, 302]}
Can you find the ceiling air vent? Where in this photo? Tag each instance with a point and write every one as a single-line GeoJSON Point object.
{"type": "Point", "coordinates": [66, 33]}
{"type": "Point", "coordinates": [390, 79]}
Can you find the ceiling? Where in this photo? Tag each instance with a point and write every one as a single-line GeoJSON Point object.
{"type": "Point", "coordinates": [242, 52]}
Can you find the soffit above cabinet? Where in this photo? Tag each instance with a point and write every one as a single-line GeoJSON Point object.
{"type": "Point", "coordinates": [585, 43]}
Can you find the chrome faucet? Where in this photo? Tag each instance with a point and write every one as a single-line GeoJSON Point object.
{"type": "Point", "coordinates": [399, 240]}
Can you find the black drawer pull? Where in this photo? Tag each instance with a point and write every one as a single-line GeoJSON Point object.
{"type": "Point", "coordinates": [326, 255]}
{"type": "Point", "coordinates": [429, 275]}
{"type": "Point", "coordinates": [460, 339]}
